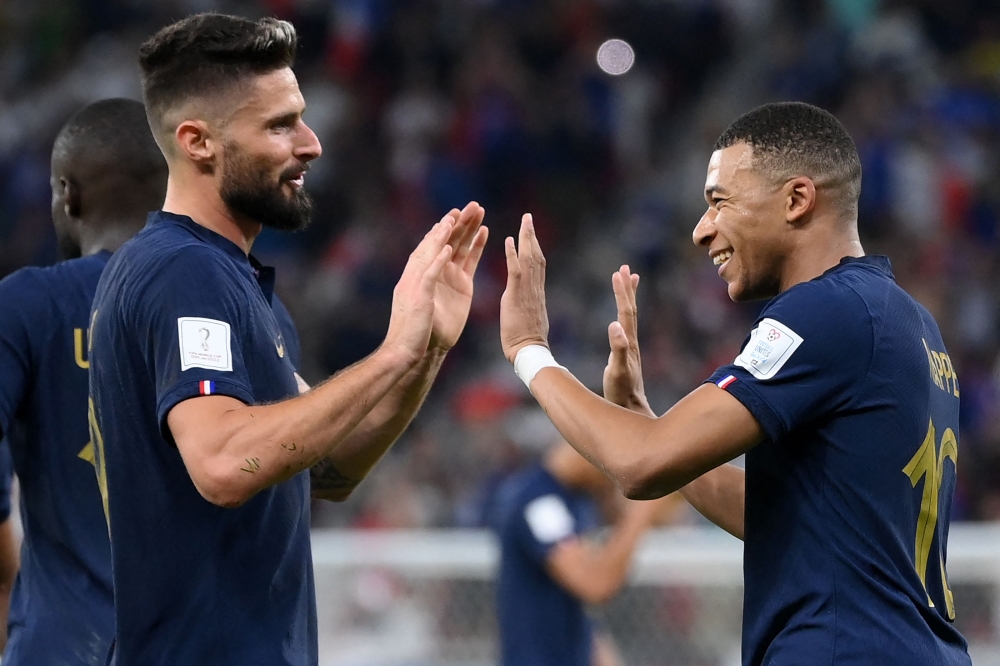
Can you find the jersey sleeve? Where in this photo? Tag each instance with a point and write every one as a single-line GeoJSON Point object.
{"type": "Point", "coordinates": [23, 319]}
{"type": "Point", "coordinates": [805, 359]}
{"type": "Point", "coordinates": [191, 319]}
{"type": "Point", "coordinates": [544, 522]}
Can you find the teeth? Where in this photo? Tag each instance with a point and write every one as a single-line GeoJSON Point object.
{"type": "Point", "coordinates": [721, 258]}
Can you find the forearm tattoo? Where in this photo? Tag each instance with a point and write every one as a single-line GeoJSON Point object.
{"type": "Point", "coordinates": [252, 465]}
{"type": "Point", "coordinates": [325, 476]}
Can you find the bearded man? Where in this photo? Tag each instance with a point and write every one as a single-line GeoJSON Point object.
{"type": "Point", "coordinates": [207, 455]}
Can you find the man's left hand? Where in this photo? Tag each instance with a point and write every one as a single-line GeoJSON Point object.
{"type": "Point", "coordinates": [523, 318]}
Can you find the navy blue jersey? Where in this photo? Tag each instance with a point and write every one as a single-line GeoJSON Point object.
{"type": "Point", "coordinates": [541, 623]}
{"type": "Point", "coordinates": [6, 479]}
{"type": "Point", "coordinates": [848, 499]}
{"type": "Point", "coordinates": [181, 312]}
{"type": "Point", "coordinates": [62, 605]}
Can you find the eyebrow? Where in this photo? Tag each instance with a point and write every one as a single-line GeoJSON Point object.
{"type": "Point", "coordinates": [714, 189]}
{"type": "Point", "coordinates": [285, 117]}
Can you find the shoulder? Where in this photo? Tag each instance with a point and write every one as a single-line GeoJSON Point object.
{"type": "Point", "coordinates": [827, 296]}
{"type": "Point", "coordinates": [156, 264]}
{"type": "Point", "coordinates": [825, 307]}
{"type": "Point", "coordinates": [28, 290]}
{"type": "Point", "coordinates": [823, 323]}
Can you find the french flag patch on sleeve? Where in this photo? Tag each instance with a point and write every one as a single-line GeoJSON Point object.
{"type": "Point", "coordinates": [722, 383]}
{"type": "Point", "coordinates": [206, 387]}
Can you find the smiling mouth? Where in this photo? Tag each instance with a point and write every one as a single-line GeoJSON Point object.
{"type": "Point", "coordinates": [722, 257]}
{"type": "Point", "coordinates": [298, 181]}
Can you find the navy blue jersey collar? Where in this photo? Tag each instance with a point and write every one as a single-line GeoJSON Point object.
{"type": "Point", "coordinates": [877, 262]}
{"type": "Point", "coordinates": [263, 274]}
{"type": "Point", "coordinates": [204, 233]}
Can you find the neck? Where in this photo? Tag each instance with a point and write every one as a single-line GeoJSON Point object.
{"type": "Point", "coordinates": [199, 199]}
{"type": "Point", "coordinates": [107, 236]}
{"type": "Point", "coordinates": [820, 251]}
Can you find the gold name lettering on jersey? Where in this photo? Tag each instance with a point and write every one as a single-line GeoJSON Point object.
{"type": "Point", "coordinates": [82, 359]}
{"type": "Point", "coordinates": [942, 371]}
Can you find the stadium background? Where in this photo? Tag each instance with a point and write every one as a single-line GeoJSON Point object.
{"type": "Point", "coordinates": [424, 105]}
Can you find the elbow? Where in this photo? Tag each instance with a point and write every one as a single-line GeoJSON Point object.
{"type": "Point", "coordinates": [645, 480]}
{"type": "Point", "coordinates": [596, 595]}
{"type": "Point", "coordinates": [333, 495]}
{"type": "Point", "coordinates": [221, 488]}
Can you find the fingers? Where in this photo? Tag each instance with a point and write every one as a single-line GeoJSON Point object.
{"type": "Point", "coordinates": [624, 284]}
{"type": "Point", "coordinates": [427, 250]}
{"type": "Point", "coordinates": [530, 253]}
{"type": "Point", "coordinates": [467, 225]}
{"type": "Point", "coordinates": [513, 265]}
{"type": "Point", "coordinates": [476, 251]}
{"type": "Point", "coordinates": [433, 272]}
{"type": "Point", "coordinates": [617, 339]}
{"type": "Point", "coordinates": [434, 240]}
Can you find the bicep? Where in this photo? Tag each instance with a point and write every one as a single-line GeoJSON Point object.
{"type": "Point", "coordinates": [195, 427]}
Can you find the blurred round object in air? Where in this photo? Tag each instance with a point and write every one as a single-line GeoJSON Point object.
{"type": "Point", "coordinates": [615, 57]}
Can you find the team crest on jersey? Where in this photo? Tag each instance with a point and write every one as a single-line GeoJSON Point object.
{"type": "Point", "coordinates": [771, 345]}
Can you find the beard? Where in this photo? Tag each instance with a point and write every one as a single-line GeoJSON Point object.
{"type": "Point", "coordinates": [249, 190]}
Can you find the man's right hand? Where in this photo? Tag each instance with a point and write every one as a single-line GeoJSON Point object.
{"type": "Point", "coordinates": [413, 298]}
{"type": "Point", "coordinates": [623, 374]}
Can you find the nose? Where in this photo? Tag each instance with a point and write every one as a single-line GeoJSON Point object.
{"type": "Point", "coordinates": [309, 148]}
{"type": "Point", "coordinates": [704, 231]}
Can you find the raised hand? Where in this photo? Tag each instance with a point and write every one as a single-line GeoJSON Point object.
{"type": "Point", "coordinates": [523, 318]}
{"type": "Point", "coordinates": [453, 290]}
{"type": "Point", "coordinates": [623, 374]}
{"type": "Point", "coordinates": [413, 297]}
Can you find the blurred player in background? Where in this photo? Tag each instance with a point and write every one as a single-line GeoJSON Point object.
{"type": "Point", "coordinates": [204, 455]}
{"type": "Point", "coordinates": [107, 173]}
{"type": "Point", "coordinates": [8, 540]}
{"type": "Point", "coordinates": [548, 573]}
{"type": "Point", "coordinates": [843, 398]}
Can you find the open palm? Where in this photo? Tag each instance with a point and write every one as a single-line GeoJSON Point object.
{"type": "Point", "coordinates": [454, 289]}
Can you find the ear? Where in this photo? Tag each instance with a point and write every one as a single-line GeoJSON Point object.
{"type": "Point", "coordinates": [800, 199]}
{"type": "Point", "coordinates": [196, 142]}
{"type": "Point", "coordinates": [71, 198]}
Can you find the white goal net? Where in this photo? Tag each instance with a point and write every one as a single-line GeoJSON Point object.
{"type": "Point", "coordinates": [425, 598]}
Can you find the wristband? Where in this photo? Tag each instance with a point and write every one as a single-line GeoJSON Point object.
{"type": "Point", "coordinates": [529, 360]}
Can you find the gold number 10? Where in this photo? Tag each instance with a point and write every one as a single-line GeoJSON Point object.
{"type": "Point", "coordinates": [928, 464]}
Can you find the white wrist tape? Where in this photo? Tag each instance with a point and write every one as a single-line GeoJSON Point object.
{"type": "Point", "coordinates": [530, 360]}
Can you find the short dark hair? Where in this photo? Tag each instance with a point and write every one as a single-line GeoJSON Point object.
{"type": "Point", "coordinates": [207, 54]}
{"type": "Point", "coordinates": [792, 139]}
{"type": "Point", "coordinates": [109, 137]}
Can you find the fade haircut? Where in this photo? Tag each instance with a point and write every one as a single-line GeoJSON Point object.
{"type": "Point", "coordinates": [792, 139]}
{"type": "Point", "coordinates": [110, 138]}
{"type": "Point", "coordinates": [205, 56]}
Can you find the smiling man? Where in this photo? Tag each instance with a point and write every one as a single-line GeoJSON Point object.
{"type": "Point", "coordinates": [843, 399]}
{"type": "Point", "coordinates": [207, 455]}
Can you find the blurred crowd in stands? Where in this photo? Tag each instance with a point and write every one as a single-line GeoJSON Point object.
{"type": "Point", "coordinates": [423, 105]}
